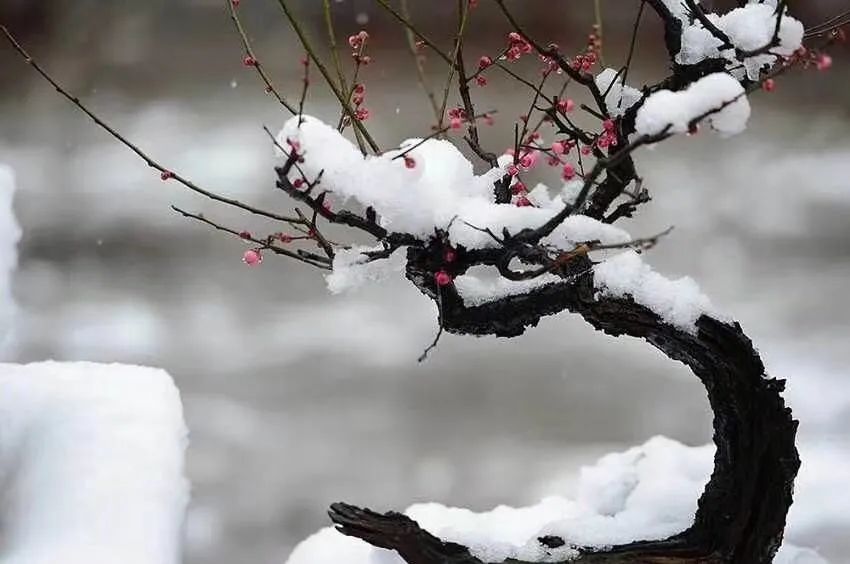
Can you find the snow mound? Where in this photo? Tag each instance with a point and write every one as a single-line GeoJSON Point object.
{"type": "Point", "coordinates": [91, 464]}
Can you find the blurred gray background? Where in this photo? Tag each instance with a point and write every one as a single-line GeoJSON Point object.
{"type": "Point", "coordinates": [296, 398]}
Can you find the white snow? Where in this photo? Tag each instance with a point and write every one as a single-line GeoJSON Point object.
{"type": "Point", "coordinates": [647, 492]}
{"type": "Point", "coordinates": [10, 234]}
{"type": "Point", "coordinates": [749, 28]}
{"type": "Point", "coordinates": [352, 269]}
{"type": "Point", "coordinates": [330, 547]}
{"type": "Point", "coordinates": [718, 98]}
{"type": "Point", "coordinates": [441, 191]}
{"type": "Point", "coordinates": [678, 302]}
{"type": "Point", "coordinates": [679, 9]}
{"type": "Point", "coordinates": [91, 464]}
{"type": "Point", "coordinates": [618, 97]}
{"type": "Point", "coordinates": [481, 284]}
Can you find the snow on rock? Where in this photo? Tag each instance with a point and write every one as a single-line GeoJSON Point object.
{"type": "Point", "coordinates": [749, 28]}
{"type": "Point", "coordinates": [10, 234]}
{"type": "Point", "coordinates": [91, 464]}
{"type": "Point", "coordinates": [718, 98]}
{"type": "Point", "coordinates": [618, 97]}
{"type": "Point", "coordinates": [678, 302]}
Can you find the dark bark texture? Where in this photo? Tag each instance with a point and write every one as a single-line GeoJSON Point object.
{"type": "Point", "coordinates": [741, 514]}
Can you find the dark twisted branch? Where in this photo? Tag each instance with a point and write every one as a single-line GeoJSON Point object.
{"type": "Point", "coordinates": [741, 514]}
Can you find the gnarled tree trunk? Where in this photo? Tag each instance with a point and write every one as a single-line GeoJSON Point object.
{"type": "Point", "coordinates": [741, 514]}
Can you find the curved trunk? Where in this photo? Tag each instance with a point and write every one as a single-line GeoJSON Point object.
{"type": "Point", "coordinates": [741, 514]}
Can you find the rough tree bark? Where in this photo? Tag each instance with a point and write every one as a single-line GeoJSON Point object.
{"type": "Point", "coordinates": [741, 514]}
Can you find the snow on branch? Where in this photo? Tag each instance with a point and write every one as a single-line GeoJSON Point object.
{"type": "Point", "coordinates": [496, 256]}
{"type": "Point", "coordinates": [91, 464]}
{"type": "Point", "coordinates": [647, 492]}
{"type": "Point", "coordinates": [717, 98]}
{"type": "Point", "coordinates": [751, 38]}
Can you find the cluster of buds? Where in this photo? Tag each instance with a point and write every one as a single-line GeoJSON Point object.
{"type": "Point", "coordinates": [358, 96]}
{"type": "Point", "coordinates": [518, 188]}
{"type": "Point", "coordinates": [484, 63]}
{"type": "Point", "coordinates": [358, 45]}
{"type": "Point", "coordinates": [442, 277]}
{"type": "Point", "coordinates": [608, 137]}
{"type": "Point", "coordinates": [524, 161]}
{"type": "Point", "coordinates": [295, 150]}
{"type": "Point", "coordinates": [585, 61]}
{"type": "Point", "coordinates": [457, 116]}
{"type": "Point", "coordinates": [809, 58]}
{"type": "Point", "coordinates": [550, 62]}
{"type": "Point", "coordinates": [520, 194]}
{"type": "Point", "coordinates": [517, 47]}
{"type": "Point", "coordinates": [559, 150]}
{"type": "Point", "coordinates": [565, 105]}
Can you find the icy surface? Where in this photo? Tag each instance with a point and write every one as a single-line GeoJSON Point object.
{"type": "Point", "coordinates": [718, 98]}
{"type": "Point", "coordinates": [10, 233]}
{"type": "Point", "coordinates": [91, 464]}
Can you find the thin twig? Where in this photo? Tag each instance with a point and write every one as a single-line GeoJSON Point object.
{"type": "Point", "coordinates": [265, 245]}
{"type": "Point", "coordinates": [255, 62]}
{"type": "Point", "coordinates": [406, 23]}
{"type": "Point", "coordinates": [417, 60]}
{"type": "Point", "coordinates": [436, 341]}
{"type": "Point", "coordinates": [346, 105]}
{"type": "Point", "coordinates": [437, 133]}
{"type": "Point", "coordinates": [166, 173]}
